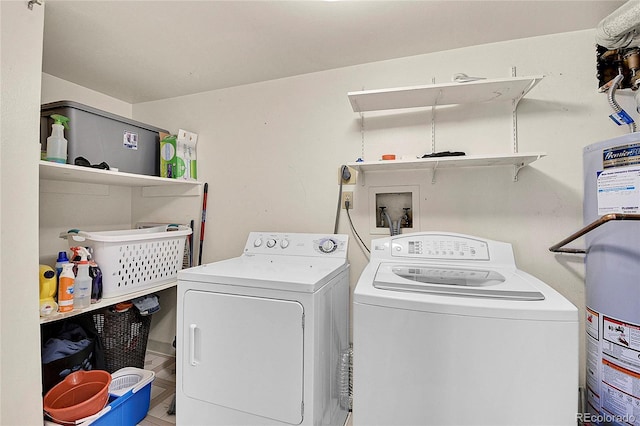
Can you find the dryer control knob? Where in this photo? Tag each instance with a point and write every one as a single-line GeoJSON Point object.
{"type": "Point", "coordinates": [328, 246]}
{"type": "Point", "coordinates": [257, 242]}
{"type": "Point", "coordinates": [271, 243]}
{"type": "Point", "coordinates": [284, 243]}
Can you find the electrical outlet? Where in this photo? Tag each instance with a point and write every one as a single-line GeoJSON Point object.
{"type": "Point", "coordinates": [352, 179]}
{"type": "Point", "coordinates": [347, 196]}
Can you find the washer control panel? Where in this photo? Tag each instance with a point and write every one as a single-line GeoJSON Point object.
{"type": "Point", "coordinates": [297, 244]}
{"type": "Point", "coordinates": [434, 246]}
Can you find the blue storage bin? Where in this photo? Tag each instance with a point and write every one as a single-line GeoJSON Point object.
{"type": "Point", "coordinates": [129, 398]}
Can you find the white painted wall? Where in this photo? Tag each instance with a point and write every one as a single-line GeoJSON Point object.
{"type": "Point", "coordinates": [21, 61]}
{"type": "Point", "coordinates": [270, 151]}
{"type": "Point", "coordinates": [55, 89]}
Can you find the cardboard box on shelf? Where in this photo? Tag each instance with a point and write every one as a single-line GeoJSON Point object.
{"type": "Point", "coordinates": [178, 155]}
{"type": "Point", "coordinates": [186, 159]}
{"type": "Point", "coordinates": [167, 155]}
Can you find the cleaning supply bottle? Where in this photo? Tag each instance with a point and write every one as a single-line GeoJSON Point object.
{"type": "Point", "coordinates": [56, 143]}
{"type": "Point", "coordinates": [65, 290]}
{"type": "Point", "coordinates": [96, 276]}
{"type": "Point", "coordinates": [48, 288]}
{"type": "Point", "coordinates": [62, 259]}
{"type": "Point", "coordinates": [83, 283]}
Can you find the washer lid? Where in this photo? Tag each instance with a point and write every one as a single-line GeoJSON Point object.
{"type": "Point", "coordinates": [454, 281]}
{"type": "Point", "coordinates": [292, 273]}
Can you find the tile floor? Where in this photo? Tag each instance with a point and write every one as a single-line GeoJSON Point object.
{"type": "Point", "coordinates": [163, 390]}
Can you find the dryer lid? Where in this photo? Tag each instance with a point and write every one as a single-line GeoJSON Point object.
{"type": "Point", "coordinates": [454, 281]}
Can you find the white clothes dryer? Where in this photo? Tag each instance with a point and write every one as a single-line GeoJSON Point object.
{"type": "Point", "coordinates": [261, 337]}
{"type": "Point", "coordinates": [447, 331]}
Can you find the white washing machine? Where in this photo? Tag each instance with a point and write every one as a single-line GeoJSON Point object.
{"type": "Point", "coordinates": [262, 338]}
{"type": "Point", "coordinates": [447, 331]}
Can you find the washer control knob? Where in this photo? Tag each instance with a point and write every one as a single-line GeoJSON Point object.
{"type": "Point", "coordinates": [284, 243]}
{"type": "Point", "coordinates": [328, 246]}
{"type": "Point", "coordinates": [271, 243]}
{"type": "Point", "coordinates": [257, 242]}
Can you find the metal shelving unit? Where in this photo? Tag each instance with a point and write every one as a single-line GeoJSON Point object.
{"type": "Point", "coordinates": [511, 89]}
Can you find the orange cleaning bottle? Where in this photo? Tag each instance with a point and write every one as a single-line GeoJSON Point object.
{"type": "Point", "coordinates": [65, 288]}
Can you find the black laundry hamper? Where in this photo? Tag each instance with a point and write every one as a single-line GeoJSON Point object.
{"type": "Point", "coordinates": [124, 337]}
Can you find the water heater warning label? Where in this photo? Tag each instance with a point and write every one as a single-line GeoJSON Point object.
{"type": "Point", "coordinates": [613, 367]}
{"type": "Point", "coordinates": [619, 190]}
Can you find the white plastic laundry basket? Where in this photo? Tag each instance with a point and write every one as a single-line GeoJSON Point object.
{"type": "Point", "coordinates": [134, 259]}
{"type": "Point", "coordinates": [128, 378]}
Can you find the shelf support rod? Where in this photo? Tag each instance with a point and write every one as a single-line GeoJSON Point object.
{"type": "Point", "coordinates": [514, 113]}
{"type": "Point", "coordinates": [514, 118]}
{"type": "Point", "coordinates": [362, 135]}
{"type": "Point", "coordinates": [433, 120]}
{"type": "Point", "coordinates": [433, 175]}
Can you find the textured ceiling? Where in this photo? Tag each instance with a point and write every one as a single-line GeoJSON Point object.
{"type": "Point", "coordinates": [140, 51]}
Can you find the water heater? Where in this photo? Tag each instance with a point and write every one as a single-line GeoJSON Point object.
{"type": "Point", "coordinates": [612, 326]}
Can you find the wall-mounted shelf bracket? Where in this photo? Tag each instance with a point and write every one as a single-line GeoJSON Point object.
{"type": "Point", "coordinates": [516, 170]}
{"type": "Point", "coordinates": [433, 175]}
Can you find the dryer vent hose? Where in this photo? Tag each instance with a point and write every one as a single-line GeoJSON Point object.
{"type": "Point", "coordinates": [345, 378]}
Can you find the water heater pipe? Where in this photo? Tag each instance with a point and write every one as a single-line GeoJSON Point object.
{"type": "Point", "coordinates": [621, 28]}
{"type": "Point", "coordinates": [614, 104]}
{"type": "Point", "coordinates": [559, 247]}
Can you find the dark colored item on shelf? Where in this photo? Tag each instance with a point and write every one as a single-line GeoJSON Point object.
{"type": "Point", "coordinates": [444, 154]}
{"type": "Point", "coordinates": [81, 161]}
{"type": "Point", "coordinates": [68, 346]}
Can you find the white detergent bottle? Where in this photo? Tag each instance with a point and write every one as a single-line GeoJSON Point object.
{"type": "Point", "coordinates": [56, 143]}
{"type": "Point", "coordinates": [82, 286]}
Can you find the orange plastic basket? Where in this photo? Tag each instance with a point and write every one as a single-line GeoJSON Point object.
{"type": "Point", "coordinates": [79, 395]}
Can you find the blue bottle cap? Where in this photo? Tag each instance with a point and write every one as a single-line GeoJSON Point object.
{"type": "Point", "coordinates": [62, 256]}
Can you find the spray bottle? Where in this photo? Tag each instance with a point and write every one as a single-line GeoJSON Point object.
{"type": "Point", "coordinates": [65, 290]}
{"type": "Point", "coordinates": [83, 283]}
{"type": "Point", "coordinates": [56, 143]}
{"type": "Point", "coordinates": [96, 275]}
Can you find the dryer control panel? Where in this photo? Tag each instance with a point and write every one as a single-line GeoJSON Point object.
{"type": "Point", "coordinates": [297, 244]}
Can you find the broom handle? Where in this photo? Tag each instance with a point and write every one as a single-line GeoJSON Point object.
{"type": "Point", "coordinates": [204, 219]}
